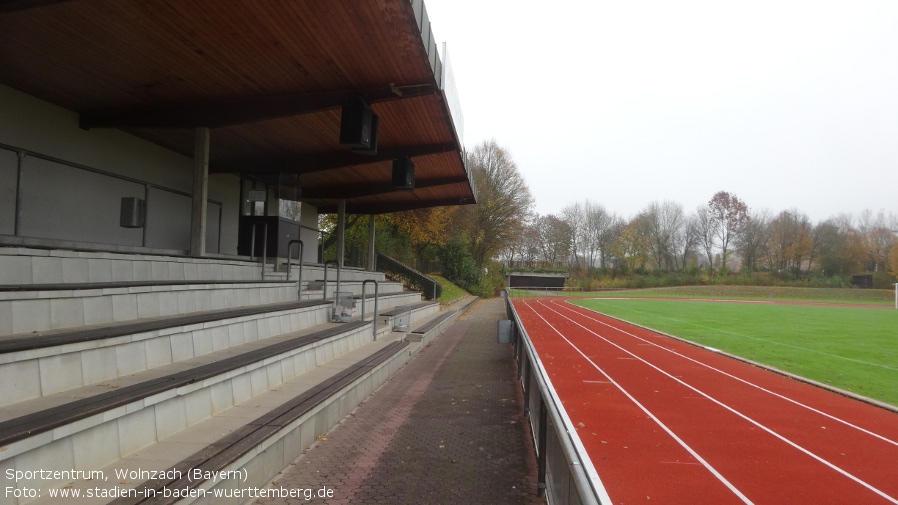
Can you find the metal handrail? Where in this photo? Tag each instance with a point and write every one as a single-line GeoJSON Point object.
{"type": "Point", "coordinates": [324, 287]}
{"type": "Point", "coordinates": [252, 247]}
{"type": "Point", "coordinates": [374, 315]}
{"type": "Point", "coordinates": [290, 266]}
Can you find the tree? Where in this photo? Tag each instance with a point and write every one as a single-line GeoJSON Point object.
{"type": "Point", "coordinates": [503, 201]}
{"type": "Point", "coordinates": [554, 239]}
{"type": "Point", "coordinates": [893, 260]}
{"type": "Point", "coordinates": [730, 215]}
{"type": "Point", "coordinates": [633, 249]}
{"type": "Point", "coordinates": [424, 227]}
{"type": "Point", "coordinates": [689, 240]}
{"type": "Point", "coordinates": [597, 224]}
{"type": "Point", "coordinates": [575, 217]}
{"type": "Point", "coordinates": [790, 242]}
{"type": "Point", "coordinates": [664, 222]}
{"type": "Point", "coordinates": [753, 243]}
{"type": "Point", "coordinates": [706, 233]}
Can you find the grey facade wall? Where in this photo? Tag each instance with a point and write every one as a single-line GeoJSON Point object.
{"type": "Point", "coordinates": [59, 200]}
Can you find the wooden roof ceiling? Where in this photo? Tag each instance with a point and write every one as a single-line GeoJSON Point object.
{"type": "Point", "coordinates": [268, 76]}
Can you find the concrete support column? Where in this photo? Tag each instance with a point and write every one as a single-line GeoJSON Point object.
{"type": "Point", "coordinates": [200, 192]}
{"type": "Point", "coordinates": [372, 254]}
{"type": "Point", "coordinates": [341, 232]}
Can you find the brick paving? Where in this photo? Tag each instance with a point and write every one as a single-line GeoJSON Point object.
{"type": "Point", "coordinates": [448, 428]}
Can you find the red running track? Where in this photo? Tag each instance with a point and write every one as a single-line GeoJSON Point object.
{"type": "Point", "coordinates": [667, 422]}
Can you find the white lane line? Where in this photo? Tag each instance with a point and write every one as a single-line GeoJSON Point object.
{"type": "Point", "coordinates": [736, 412]}
{"type": "Point", "coordinates": [744, 381]}
{"type": "Point", "coordinates": [663, 426]}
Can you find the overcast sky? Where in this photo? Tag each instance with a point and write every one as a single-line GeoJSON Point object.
{"type": "Point", "coordinates": [787, 104]}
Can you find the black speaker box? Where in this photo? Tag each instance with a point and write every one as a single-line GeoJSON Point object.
{"type": "Point", "coordinates": [403, 173]}
{"type": "Point", "coordinates": [372, 150]}
{"type": "Point", "coordinates": [356, 125]}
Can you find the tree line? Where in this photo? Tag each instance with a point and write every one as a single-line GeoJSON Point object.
{"type": "Point", "coordinates": [722, 237]}
{"type": "Point", "coordinates": [475, 244]}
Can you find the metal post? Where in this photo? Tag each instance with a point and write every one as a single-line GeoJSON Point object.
{"type": "Point", "coordinates": [324, 287]}
{"type": "Point", "coordinates": [264, 249]}
{"type": "Point", "coordinates": [541, 456]}
{"type": "Point", "coordinates": [20, 166]}
{"type": "Point", "coordinates": [341, 233]}
{"type": "Point", "coordinates": [374, 315]}
{"type": "Point", "coordinates": [290, 266]}
{"type": "Point", "coordinates": [525, 366]}
{"type": "Point", "coordinates": [252, 245]}
{"type": "Point", "coordinates": [372, 255]}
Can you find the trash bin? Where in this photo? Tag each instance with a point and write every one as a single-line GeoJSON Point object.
{"type": "Point", "coordinates": [505, 331]}
{"type": "Point", "coordinates": [344, 307]}
{"type": "Point", "coordinates": [402, 322]}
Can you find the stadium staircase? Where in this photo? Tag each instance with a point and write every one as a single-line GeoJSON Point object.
{"type": "Point", "coordinates": [186, 369]}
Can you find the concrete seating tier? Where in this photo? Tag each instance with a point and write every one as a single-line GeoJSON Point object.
{"type": "Point", "coordinates": [47, 307]}
{"type": "Point", "coordinates": [23, 265]}
{"type": "Point", "coordinates": [121, 361]}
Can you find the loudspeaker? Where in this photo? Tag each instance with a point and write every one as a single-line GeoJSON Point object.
{"type": "Point", "coordinates": [355, 124]}
{"type": "Point", "coordinates": [133, 213]}
{"type": "Point", "coordinates": [372, 150]}
{"type": "Point", "coordinates": [403, 173]}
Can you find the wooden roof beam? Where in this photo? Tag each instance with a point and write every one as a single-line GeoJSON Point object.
{"type": "Point", "coordinates": [374, 208]}
{"type": "Point", "coordinates": [242, 111]}
{"type": "Point", "coordinates": [360, 190]}
{"type": "Point", "coordinates": [20, 5]}
{"type": "Point", "coordinates": [318, 162]}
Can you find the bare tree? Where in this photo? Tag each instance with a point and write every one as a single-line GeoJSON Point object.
{"type": "Point", "coordinates": [664, 222]}
{"type": "Point", "coordinates": [688, 241]}
{"type": "Point", "coordinates": [503, 201]}
{"type": "Point", "coordinates": [754, 241]}
{"type": "Point", "coordinates": [608, 236]}
{"type": "Point", "coordinates": [554, 239]}
{"type": "Point", "coordinates": [706, 231]}
{"type": "Point", "coordinates": [790, 240]}
{"type": "Point", "coordinates": [575, 217]}
{"type": "Point", "coordinates": [730, 213]}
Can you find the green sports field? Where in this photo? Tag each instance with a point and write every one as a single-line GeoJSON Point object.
{"type": "Point", "coordinates": [851, 348]}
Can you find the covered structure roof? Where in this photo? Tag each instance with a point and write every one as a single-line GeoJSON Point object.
{"type": "Point", "coordinates": [269, 77]}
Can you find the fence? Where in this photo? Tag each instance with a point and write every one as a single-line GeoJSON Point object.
{"type": "Point", "coordinates": [410, 277]}
{"type": "Point", "coordinates": [565, 473]}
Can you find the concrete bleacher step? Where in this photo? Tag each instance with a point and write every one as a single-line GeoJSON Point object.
{"type": "Point", "coordinates": [259, 436]}
{"type": "Point", "coordinates": [41, 364]}
{"type": "Point", "coordinates": [427, 328]}
{"type": "Point", "coordinates": [402, 315]}
{"type": "Point", "coordinates": [24, 265]}
{"type": "Point", "coordinates": [146, 361]}
{"type": "Point", "coordinates": [134, 412]}
{"type": "Point", "coordinates": [353, 286]}
{"type": "Point", "coordinates": [41, 307]}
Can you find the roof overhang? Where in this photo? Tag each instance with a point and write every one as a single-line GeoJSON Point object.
{"type": "Point", "coordinates": [269, 78]}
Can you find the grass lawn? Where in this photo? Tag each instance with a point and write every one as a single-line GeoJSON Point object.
{"type": "Point", "coordinates": [450, 291]}
{"type": "Point", "coordinates": [855, 349]}
{"type": "Point", "coordinates": [770, 293]}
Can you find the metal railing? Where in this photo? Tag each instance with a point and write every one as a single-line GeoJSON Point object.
{"type": "Point", "coordinates": [373, 315]}
{"type": "Point", "coordinates": [565, 473]}
{"type": "Point", "coordinates": [409, 276]}
{"type": "Point", "coordinates": [290, 266]}
{"type": "Point", "coordinates": [324, 284]}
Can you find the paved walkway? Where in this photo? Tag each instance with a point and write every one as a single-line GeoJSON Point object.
{"type": "Point", "coordinates": [448, 428]}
